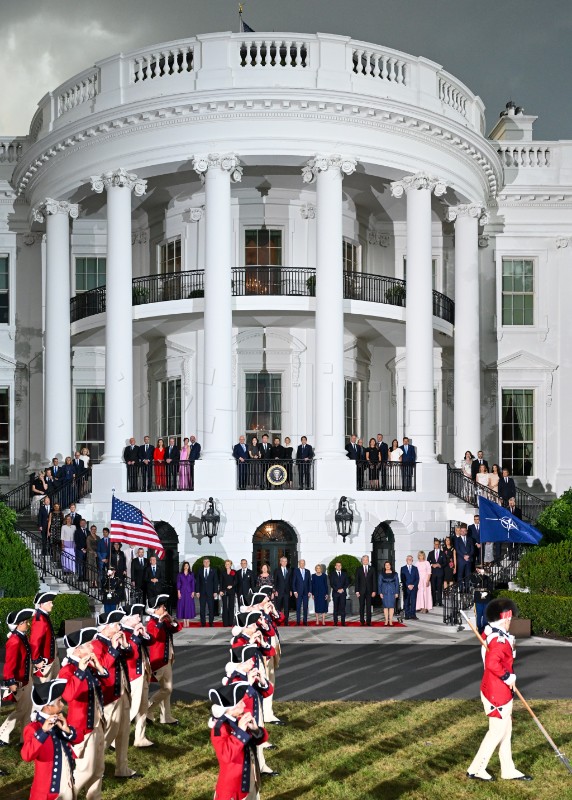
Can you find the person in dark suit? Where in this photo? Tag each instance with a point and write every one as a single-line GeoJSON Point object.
{"type": "Point", "coordinates": [138, 567]}
{"type": "Point", "coordinates": [266, 454]}
{"type": "Point", "coordinates": [245, 583]}
{"type": "Point", "coordinates": [513, 508]}
{"type": "Point", "coordinates": [301, 586]}
{"type": "Point", "coordinates": [474, 531]}
{"type": "Point", "coordinates": [339, 583]}
{"type": "Point", "coordinates": [153, 580]}
{"type": "Point", "coordinates": [384, 453]}
{"type": "Point", "coordinates": [207, 591]}
{"type": "Point", "coordinates": [507, 487]}
{"type": "Point", "coordinates": [43, 519]}
{"type": "Point", "coordinates": [304, 457]}
{"type": "Point", "coordinates": [194, 455]}
{"type": "Point", "coordinates": [355, 453]}
{"type": "Point", "coordinates": [80, 543]}
{"type": "Point", "coordinates": [227, 593]}
{"type": "Point", "coordinates": [365, 585]}
{"type": "Point", "coordinates": [465, 551]}
{"type": "Point", "coordinates": [146, 458]}
{"type": "Point", "coordinates": [172, 454]}
{"type": "Point", "coordinates": [476, 465]}
{"type": "Point", "coordinates": [57, 473]}
{"type": "Point", "coordinates": [240, 454]}
{"type": "Point", "coordinates": [410, 584]}
{"type": "Point", "coordinates": [408, 460]}
{"type": "Point", "coordinates": [79, 474]}
{"type": "Point", "coordinates": [282, 580]}
{"type": "Point", "coordinates": [131, 458]}
{"type": "Point", "coordinates": [437, 559]}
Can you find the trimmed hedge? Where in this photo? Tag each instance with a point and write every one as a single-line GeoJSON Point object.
{"type": "Point", "coordinates": [66, 606]}
{"type": "Point", "coordinates": [351, 565]}
{"type": "Point", "coordinates": [547, 613]}
{"type": "Point", "coordinates": [18, 574]}
{"type": "Point", "coordinates": [547, 570]}
{"type": "Point", "coordinates": [555, 522]}
{"type": "Point", "coordinates": [216, 563]}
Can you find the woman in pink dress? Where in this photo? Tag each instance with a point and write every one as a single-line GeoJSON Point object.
{"type": "Point", "coordinates": [424, 599]}
{"type": "Point", "coordinates": [184, 466]}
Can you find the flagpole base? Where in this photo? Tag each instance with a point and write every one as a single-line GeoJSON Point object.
{"type": "Point", "coordinates": [108, 478]}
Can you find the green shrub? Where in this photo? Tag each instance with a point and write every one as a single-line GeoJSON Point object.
{"type": "Point", "coordinates": [311, 285]}
{"type": "Point", "coordinates": [547, 613]}
{"type": "Point", "coordinates": [395, 295]}
{"type": "Point", "coordinates": [555, 522]}
{"type": "Point", "coordinates": [196, 293]}
{"type": "Point", "coordinates": [351, 565]}
{"type": "Point", "coordinates": [216, 563]}
{"type": "Point", "coordinates": [18, 576]}
{"type": "Point", "coordinates": [547, 570]}
{"type": "Point", "coordinates": [66, 606]}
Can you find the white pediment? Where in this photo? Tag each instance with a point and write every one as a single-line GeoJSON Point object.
{"type": "Point", "coordinates": [523, 361]}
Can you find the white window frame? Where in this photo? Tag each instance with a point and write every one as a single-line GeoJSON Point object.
{"type": "Point", "coordinates": [82, 388]}
{"type": "Point", "coordinates": [165, 243]}
{"type": "Point", "coordinates": [358, 251]}
{"type": "Point", "coordinates": [9, 251]}
{"type": "Point", "coordinates": [74, 278]}
{"type": "Point", "coordinates": [247, 431]}
{"type": "Point", "coordinates": [257, 226]}
{"type": "Point", "coordinates": [166, 434]}
{"type": "Point", "coordinates": [521, 386]}
{"type": "Point", "coordinates": [357, 407]}
{"type": "Point", "coordinates": [518, 257]}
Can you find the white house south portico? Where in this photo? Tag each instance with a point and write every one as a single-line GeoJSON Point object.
{"type": "Point", "coordinates": [280, 235]}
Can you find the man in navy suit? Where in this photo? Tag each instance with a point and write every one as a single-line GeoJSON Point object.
{"type": "Point", "coordinates": [301, 585]}
{"type": "Point", "coordinates": [240, 454]}
{"type": "Point", "coordinates": [245, 582]}
{"type": "Point", "coordinates": [437, 560]}
{"type": "Point", "coordinates": [304, 457]}
{"type": "Point", "coordinates": [384, 453]}
{"type": "Point", "coordinates": [194, 455]}
{"type": "Point", "coordinates": [131, 458]}
{"type": "Point", "coordinates": [507, 487]}
{"type": "Point", "coordinates": [172, 455]}
{"type": "Point", "coordinates": [43, 518]}
{"type": "Point", "coordinates": [207, 591]}
{"type": "Point", "coordinates": [408, 460]}
{"type": "Point", "coordinates": [282, 588]}
{"type": "Point", "coordinates": [80, 542]}
{"type": "Point", "coordinates": [365, 586]}
{"type": "Point", "coordinates": [476, 464]}
{"type": "Point", "coordinates": [355, 453]}
{"type": "Point", "coordinates": [410, 584]}
{"type": "Point", "coordinates": [339, 582]}
{"type": "Point", "coordinates": [474, 531]}
{"type": "Point", "coordinates": [465, 551]}
{"type": "Point", "coordinates": [146, 457]}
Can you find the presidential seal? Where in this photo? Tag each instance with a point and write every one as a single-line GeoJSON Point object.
{"type": "Point", "coordinates": [276, 475]}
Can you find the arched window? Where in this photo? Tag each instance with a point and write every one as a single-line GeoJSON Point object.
{"type": "Point", "coordinates": [272, 540]}
{"type": "Point", "coordinates": [383, 546]}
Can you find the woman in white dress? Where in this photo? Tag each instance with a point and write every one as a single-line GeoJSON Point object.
{"type": "Point", "coordinates": [466, 469]}
{"type": "Point", "coordinates": [483, 481]}
{"type": "Point", "coordinates": [85, 457]}
{"type": "Point", "coordinates": [395, 456]}
{"type": "Point", "coordinates": [68, 546]}
{"type": "Point", "coordinates": [424, 599]}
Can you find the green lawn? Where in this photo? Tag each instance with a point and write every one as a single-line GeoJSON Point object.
{"type": "Point", "coordinates": [346, 751]}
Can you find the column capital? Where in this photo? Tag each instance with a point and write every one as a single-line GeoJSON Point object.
{"type": "Point", "coordinates": [321, 163]}
{"type": "Point", "coordinates": [227, 162]}
{"type": "Point", "coordinates": [421, 180]}
{"type": "Point", "coordinates": [121, 178]}
{"type": "Point", "coordinates": [50, 206]}
{"type": "Point", "coordinates": [473, 210]}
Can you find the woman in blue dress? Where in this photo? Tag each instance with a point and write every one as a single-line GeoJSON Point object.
{"type": "Point", "coordinates": [388, 587]}
{"type": "Point", "coordinates": [320, 594]}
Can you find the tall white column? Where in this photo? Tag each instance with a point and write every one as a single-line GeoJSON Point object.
{"type": "Point", "coordinates": [328, 172]}
{"type": "Point", "coordinates": [419, 402]}
{"type": "Point", "coordinates": [218, 406]}
{"type": "Point", "coordinates": [58, 438]}
{"type": "Point", "coordinates": [467, 362]}
{"type": "Point", "coordinates": [118, 320]}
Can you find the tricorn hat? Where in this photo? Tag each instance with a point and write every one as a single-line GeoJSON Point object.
{"type": "Point", "coordinates": [268, 591]}
{"type": "Point", "coordinates": [75, 638]}
{"type": "Point", "coordinates": [239, 655]}
{"type": "Point", "coordinates": [228, 696]}
{"type": "Point", "coordinates": [133, 608]}
{"type": "Point", "coordinates": [14, 618]}
{"type": "Point", "coordinates": [111, 616]}
{"type": "Point", "coordinates": [160, 600]}
{"type": "Point", "coordinates": [44, 694]}
{"type": "Point", "coordinates": [44, 597]}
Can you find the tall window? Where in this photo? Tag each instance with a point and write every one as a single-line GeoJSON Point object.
{"type": "Point", "coordinates": [171, 409]}
{"type": "Point", "coordinates": [4, 289]}
{"type": "Point", "coordinates": [263, 403]}
{"type": "Point", "coordinates": [89, 273]}
{"type": "Point", "coordinates": [263, 247]}
{"type": "Point", "coordinates": [517, 291]}
{"type": "Point", "coordinates": [350, 253]}
{"type": "Point", "coordinates": [352, 397]}
{"type": "Point", "coordinates": [90, 421]}
{"type": "Point", "coordinates": [4, 432]}
{"type": "Point", "coordinates": [170, 256]}
{"type": "Point", "coordinates": [518, 431]}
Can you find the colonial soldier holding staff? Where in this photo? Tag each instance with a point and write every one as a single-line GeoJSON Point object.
{"type": "Point", "coordinates": [43, 639]}
{"type": "Point", "coordinates": [139, 669]}
{"type": "Point", "coordinates": [17, 673]}
{"type": "Point", "coordinates": [161, 628]}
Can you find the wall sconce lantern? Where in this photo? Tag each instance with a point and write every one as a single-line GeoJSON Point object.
{"type": "Point", "coordinates": [210, 520]}
{"type": "Point", "coordinates": [344, 518]}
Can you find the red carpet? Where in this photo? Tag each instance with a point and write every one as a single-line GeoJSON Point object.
{"type": "Point", "coordinates": [352, 624]}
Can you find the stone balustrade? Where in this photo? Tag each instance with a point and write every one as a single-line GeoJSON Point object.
{"type": "Point", "coordinates": [11, 149]}
{"type": "Point", "coordinates": [79, 90]}
{"type": "Point", "coordinates": [528, 155]}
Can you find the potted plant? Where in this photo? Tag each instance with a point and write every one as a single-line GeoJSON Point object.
{"type": "Point", "coordinates": [196, 293]}
{"type": "Point", "coordinates": [395, 295]}
{"type": "Point", "coordinates": [311, 285]}
{"type": "Point", "coordinates": [140, 295]}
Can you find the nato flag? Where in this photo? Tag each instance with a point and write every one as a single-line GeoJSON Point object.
{"type": "Point", "coordinates": [499, 525]}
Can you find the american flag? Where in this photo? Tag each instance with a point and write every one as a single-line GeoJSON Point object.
{"type": "Point", "coordinates": [130, 525]}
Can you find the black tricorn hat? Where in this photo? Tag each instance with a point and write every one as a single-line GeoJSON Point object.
{"type": "Point", "coordinates": [112, 616]}
{"type": "Point", "coordinates": [160, 600]}
{"type": "Point", "coordinates": [75, 638]}
{"type": "Point", "coordinates": [44, 694]}
{"type": "Point", "coordinates": [133, 608]}
{"type": "Point", "coordinates": [228, 696]}
{"type": "Point", "coordinates": [44, 597]}
{"type": "Point", "coordinates": [268, 591]}
{"type": "Point", "coordinates": [500, 608]}
{"type": "Point", "coordinates": [238, 655]}
{"type": "Point", "coordinates": [16, 617]}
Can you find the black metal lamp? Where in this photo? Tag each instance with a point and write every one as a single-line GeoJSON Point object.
{"type": "Point", "coordinates": [210, 519]}
{"type": "Point", "coordinates": [344, 518]}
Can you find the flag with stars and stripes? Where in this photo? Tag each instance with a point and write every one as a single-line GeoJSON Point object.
{"type": "Point", "coordinates": [130, 525]}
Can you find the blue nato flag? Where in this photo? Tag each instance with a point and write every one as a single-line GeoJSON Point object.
{"type": "Point", "coordinates": [499, 525]}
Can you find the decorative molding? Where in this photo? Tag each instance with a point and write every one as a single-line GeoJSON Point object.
{"type": "Point", "coordinates": [483, 240]}
{"type": "Point", "coordinates": [139, 237]}
{"type": "Point", "coordinates": [562, 242]}
{"type": "Point", "coordinates": [196, 213]}
{"type": "Point", "coordinates": [118, 178]}
{"type": "Point", "coordinates": [473, 210]}
{"type": "Point", "coordinates": [30, 239]}
{"type": "Point", "coordinates": [50, 206]}
{"type": "Point", "coordinates": [308, 211]}
{"type": "Point", "coordinates": [321, 163]}
{"type": "Point", "coordinates": [227, 162]}
{"type": "Point", "coordinates": [375, 237]}
{"type": "Point", "coordinates": [420, 180]}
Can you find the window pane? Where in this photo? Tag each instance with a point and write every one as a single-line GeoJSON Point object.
{"type": "Point", "coordinates": [517, 291]}
{"type": "Point", "coordinates": [518, 430]}
{"type": "Point", "coordinates": [90, 421]}
{"type": "Point", "coordinates": [263, 403]}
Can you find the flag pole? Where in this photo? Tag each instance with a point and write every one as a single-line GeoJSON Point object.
{"type": "Point", "coordinates": [240, 9]}
{"type": "Point", "coordinates": [540, 726]}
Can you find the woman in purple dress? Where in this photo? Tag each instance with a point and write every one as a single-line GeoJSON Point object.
{"type": "Point", "coordinates": [186, 594]}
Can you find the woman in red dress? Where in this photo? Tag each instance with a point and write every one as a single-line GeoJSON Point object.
{"type": "Point", "coordinates": [160, 472]}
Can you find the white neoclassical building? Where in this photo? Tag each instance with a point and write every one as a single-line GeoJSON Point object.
{"type": "Point", "coordinates": [296, 234]}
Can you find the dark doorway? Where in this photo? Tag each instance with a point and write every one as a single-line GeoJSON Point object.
{"type": "Point", "coordinates": [272, 540]}
{"type": "Point", "coordinates": [382, 546]}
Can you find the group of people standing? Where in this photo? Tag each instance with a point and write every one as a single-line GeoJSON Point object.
{"type": "Point", "coordinates": [380, 466]}
{"type": "Point", "coordinates": [495, 484]}
{"type": "Point", "coordinates": [254, 459]}
{"type": "Point", "coordinates": [66, 481]}
{"type": "Point", "coordinates": [161, 466]}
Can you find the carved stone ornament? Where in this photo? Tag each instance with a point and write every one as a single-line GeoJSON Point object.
{"type": "Point", "coordinates": [473, 210]}
{"type": "Point", "coordinates": [321, 163]}
{"type": "Point", "coordinates": [483, 241]}
{"type": "Point", "coordinates": [197, 213]}
{"type": "Point", "coordinates": [228, 162]}
{"type": "Point", "coordinates": [308, 211]}
{"type": "Point", "coordinates": [382, 239]}
{"type": "Point", "coordinates": [139, 237]}
{"type": "Point", "coordinates": [561, 242]}
{"type": "Point", "coordinates": [118, 177]}
{"type": "Point", "coordinates": [50, 206]}
{"type": "Point", "coordinates": [419, 181]}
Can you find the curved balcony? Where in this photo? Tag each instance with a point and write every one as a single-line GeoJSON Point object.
{"type": "Point", "coordinates": [259, 281]}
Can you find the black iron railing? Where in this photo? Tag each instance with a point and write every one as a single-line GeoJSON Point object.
{"type": "Point", "coordinates": [468, 490]}
{"type": "Point", "coordinates": [254, 474]}
{"type": "Point", "coordinates": [158, 476]}
{"type": "Point", "coordinates": [19, 499]}
{"type": "Point", "coordinates": [386, 477]}
{"type": "Point", "coordinates": [261, 281]}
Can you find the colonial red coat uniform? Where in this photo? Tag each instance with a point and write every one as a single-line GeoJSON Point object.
{"type": "Point", "coordinates": [235, 752]}
{"type": "Point", "coordinates": [42, 638]}
{"type": "Point", "coordinates": [18, 659]}
{"type": "Point", "coordinates": [47, 751]}
{"type": "Point", "coordinates": [241, 640]}
{"type": "Point", "coordinates": [161, 646]}
{"type": "Point", "coordinates": [111, 659]}
{"type": "Point", "coordinates": [253, 694]}
{"type": "Point", "coordinates": [84, 697]}
{"type": "Point", "coordinates": [499, 660]}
